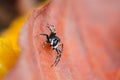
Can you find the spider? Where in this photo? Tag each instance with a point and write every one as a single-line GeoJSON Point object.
{"type": "Point", "coordinates": [54, 42]}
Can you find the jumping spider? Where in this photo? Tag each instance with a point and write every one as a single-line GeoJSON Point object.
{"type": "Point", "coordinates": [54, 42]}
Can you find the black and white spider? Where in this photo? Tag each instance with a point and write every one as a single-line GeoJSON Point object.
{"type": "Point", "coordinates": [54, 42]}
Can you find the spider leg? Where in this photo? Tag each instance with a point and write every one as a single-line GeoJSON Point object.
{"type": "Point", "coordinates": [45, 35]}
{"type": "Point", "coordinates": [58, 57]}
{"type": "Point", "coordinates": [45, 42]}
{"type": "Point", "coordinates": [49, 27]}
{"type": "Point", "coordinates": [61, 44]}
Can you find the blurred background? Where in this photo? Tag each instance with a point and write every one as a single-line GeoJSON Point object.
{"type": "Point", "coordinates": [13, 14]}
{"type": "Point", "coordinates": [11, 9]}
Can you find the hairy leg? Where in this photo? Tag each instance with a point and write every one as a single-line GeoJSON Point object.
{"type": "Point", "coordinates": [44, 44]}
{"type": "Point", "coordinates": [45, 35]}
{"type": "Point", "coordinates": [57, 58]}
{"type": "Point", "coordinates": [49, 27]}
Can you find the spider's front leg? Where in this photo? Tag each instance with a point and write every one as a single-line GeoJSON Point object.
{"type": "Point", "coordinates": [46, 40]}
{"type": "Point", "coordinates": [45, 35]}
{"type": "Point", "coordinates": [49, 27]}
{"type": "Point", "coordinates": [44, 44]}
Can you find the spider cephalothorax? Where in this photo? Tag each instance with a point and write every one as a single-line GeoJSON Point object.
{"type": "Point", "coordinates": [54, 42]}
